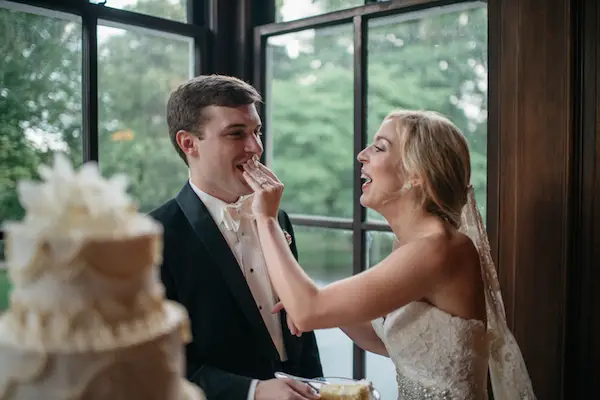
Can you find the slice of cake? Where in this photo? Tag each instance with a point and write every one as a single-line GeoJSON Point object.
{"type": "Point", "coordinates": [346, 391]}
{"type": "Point", "coordinates": [87, 318]}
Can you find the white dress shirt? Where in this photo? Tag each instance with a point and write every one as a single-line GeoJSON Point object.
{"type": "Point", "coordinates": [245, 246]}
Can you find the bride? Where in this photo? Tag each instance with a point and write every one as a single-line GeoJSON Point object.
{"type": "Point", "coordinates": [434, 304]}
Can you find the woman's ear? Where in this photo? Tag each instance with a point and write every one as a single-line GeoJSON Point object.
{"type": "Point", "coordinates": [411, 184]}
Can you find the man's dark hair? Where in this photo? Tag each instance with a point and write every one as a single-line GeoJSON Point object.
{"type": "Point", "coordinates": [185, 108]}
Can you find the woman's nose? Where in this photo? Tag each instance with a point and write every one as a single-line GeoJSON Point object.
{"type": "Point", "coordinates": [362, 156]}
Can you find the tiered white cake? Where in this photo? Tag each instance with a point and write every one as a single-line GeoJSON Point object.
{"type": "Point", "coordinates": [87, 317]}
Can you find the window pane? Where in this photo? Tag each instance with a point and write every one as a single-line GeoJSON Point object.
{"type": "Point", "coordinates": [136, 73]}
{"type": "Point", "coordinates": [5, 289]}
{"type": "Point", "coordinates": [379, 246]}
{"type": "Point", "coordinates": [380, 370]}
{"type": "Point", "coordinates": [436, 60]}
{"type": "Point", "coordinates": [169, 9]}
{"type": "Point", "coordinates": [289, 10]}
{"type": "Point", "coordinates": [40, 98]}
{"type": "Point", "coordinates": [326, 255]}
{"type": "Point", "coordinates": [310, 108]}
{"type": "Point", "coordinates": [4, 284]}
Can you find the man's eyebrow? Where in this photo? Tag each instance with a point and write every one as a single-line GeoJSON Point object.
{"type": "Point", "coordinates": [237, 125]}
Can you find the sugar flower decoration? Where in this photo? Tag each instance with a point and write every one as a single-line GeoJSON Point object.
{"type": "Point", "coordinates": [66, 208]}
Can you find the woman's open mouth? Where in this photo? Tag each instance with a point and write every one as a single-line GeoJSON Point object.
{"type": "Point", "coordinates": [366, 180]}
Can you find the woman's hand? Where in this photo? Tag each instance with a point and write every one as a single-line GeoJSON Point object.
{"type": "Point", "coordinates": [267, 189]}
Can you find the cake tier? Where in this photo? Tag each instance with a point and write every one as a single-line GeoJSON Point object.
{"type": "Point", "coordinates": [58, 331]}
{"type": "Point", "coordinates": [68, 274]}
{"type": "Point", "coordinates": [151, 369]}
{"type": "Point", "coordinates": [106, 285]}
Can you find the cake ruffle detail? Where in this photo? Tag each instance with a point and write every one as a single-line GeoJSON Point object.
{"type": "Point", "coordinates": [55, 334]}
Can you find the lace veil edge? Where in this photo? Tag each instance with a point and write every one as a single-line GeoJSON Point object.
{"type": "Point", "coordinates": [508, 372]}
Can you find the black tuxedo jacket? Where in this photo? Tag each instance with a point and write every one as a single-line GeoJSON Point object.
{"type": "Point", "coordinates": [231, 344]}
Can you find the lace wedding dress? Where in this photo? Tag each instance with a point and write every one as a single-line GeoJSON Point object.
{"type": "Point", "coordinates": [441, 357]}
{"type": "Point", "coordinates": [437, 356]}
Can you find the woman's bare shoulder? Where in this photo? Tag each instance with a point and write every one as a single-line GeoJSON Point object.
{"type": "Point", "coordinates": [452, 251]}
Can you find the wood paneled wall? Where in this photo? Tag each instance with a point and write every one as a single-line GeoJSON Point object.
{"type": "Point", "coordinates": [583, 326]}
{"type": "Point", "coordinates": [531, 125]}
{"type": "Point", "coordinates": [545, 146]}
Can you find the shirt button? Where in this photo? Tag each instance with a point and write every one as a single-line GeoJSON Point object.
{"type": "Point", "coordinates": [251, 270]}
{"type": "Point", "coordinates": [260, 307]}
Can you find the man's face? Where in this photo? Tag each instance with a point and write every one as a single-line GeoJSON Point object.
{"type": "Point", "coordinates": [231, 136]}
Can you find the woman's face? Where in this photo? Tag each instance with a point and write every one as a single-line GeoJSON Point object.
{"type": "Point", "coordinates": [381, 167]}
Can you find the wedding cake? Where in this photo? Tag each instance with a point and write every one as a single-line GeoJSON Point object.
{"type": "Point", "coordinates": [87, 318]}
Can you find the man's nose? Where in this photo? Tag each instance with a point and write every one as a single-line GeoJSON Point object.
{"type": "Point", "coordinates": [254, 144]}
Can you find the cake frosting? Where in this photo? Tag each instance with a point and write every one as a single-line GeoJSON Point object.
{"type": "Point", "coordinates": [87, 317]}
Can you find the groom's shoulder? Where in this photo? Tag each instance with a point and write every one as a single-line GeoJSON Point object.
{"type": "Point", "coordinates": [282, 214]}
{"type": "Point", "coordinates": [167, 212]}
{"type": "Point", "coordinates": [283, 218]}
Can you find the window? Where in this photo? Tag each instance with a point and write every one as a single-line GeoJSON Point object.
{"type": "Point", "coordinates": [146, 66]}
{"type": "Point", "coordinates": [437, 60]}
{"type": "Point", "coordinates": [124, 79]}
{"type": "Point", "coordinates": [327, 257]}
{"type": "Point", "coordinates": [311, 140]}
{"type": "Point", "coordinates": [89, 85]}
{"type": "Point", "coordinates": [329, 80]}
{"type": "Point", "coordinates": [40, 103]}
{"type": "Point", "coordinates": [379, 369]}
{"type": "Point", "coordinates": [311, 150]}
{"type": "Point", "coordinates": [4, 283]}
{"type": "Point", "coordinates": [40, 97]}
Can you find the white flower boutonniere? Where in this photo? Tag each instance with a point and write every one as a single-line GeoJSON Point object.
{"type": "Point", "coordinates": [288, 237]}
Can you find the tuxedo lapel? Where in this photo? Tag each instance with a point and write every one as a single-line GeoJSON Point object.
{"type": "Point", "coordinates": [223, 259]}
{"type": "Point", "coordinates": [291, 342]}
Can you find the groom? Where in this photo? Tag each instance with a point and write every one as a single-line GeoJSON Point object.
{"type": "Point", "coordinates": [212, 260]}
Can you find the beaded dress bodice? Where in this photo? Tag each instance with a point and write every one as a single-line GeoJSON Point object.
{"type": "Point", "coordinates": [437, 356]}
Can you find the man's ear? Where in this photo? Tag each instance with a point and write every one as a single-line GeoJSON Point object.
{"type": "Point", "coordinates": [187, 143]}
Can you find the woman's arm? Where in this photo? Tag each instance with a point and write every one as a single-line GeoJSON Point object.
{"type": "Point", "coordinates": [364, 336]}
{"type": "Point", "coordinates": [408, 274]}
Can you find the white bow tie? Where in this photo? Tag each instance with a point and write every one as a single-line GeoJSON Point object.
{"type": "Point", "coordinates": [233, 213]}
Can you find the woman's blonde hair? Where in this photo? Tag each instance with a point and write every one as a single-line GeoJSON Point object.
{"type": "Point", "coordinates": [435, 151]}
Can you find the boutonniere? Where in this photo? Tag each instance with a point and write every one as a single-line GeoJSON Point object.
{"type": "Point", "coordinates": [288, 237]}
